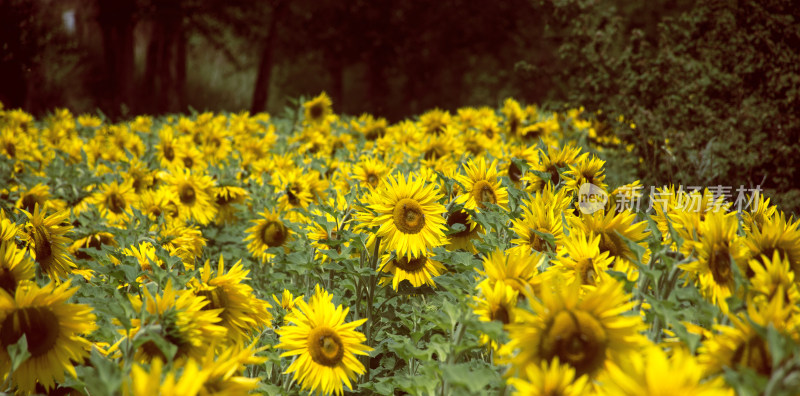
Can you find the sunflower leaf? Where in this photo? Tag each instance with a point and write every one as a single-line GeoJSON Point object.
{"type": "Point", "coordinates": [18, 352]}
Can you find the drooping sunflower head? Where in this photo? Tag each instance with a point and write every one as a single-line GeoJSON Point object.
{"type": "Point", "coordinates": [270, 231]}
{"type": "Point", "coordinates": [325, 346]}
{"type": "Point", "coordinates": [418, 270]}
{"type": "Point", "coordinates": [318, 109]}
{"type": "Point", "coordinates": [408, 216]}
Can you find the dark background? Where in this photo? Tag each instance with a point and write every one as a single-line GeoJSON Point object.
{"type": "Point", "coordinates": [719, 79]}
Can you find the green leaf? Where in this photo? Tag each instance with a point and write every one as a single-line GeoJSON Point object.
{"type": "Point", "coordinates": [18, 352]}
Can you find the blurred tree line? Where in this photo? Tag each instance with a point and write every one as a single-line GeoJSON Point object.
{"type": "Point", "coordinates": [713, 87]}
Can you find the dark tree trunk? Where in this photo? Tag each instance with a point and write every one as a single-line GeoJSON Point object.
{"type": "Point", "coordinates": [264, 77]}
{"type": "Point", "coordinates": [165, 74]}
{"type": "Point", "coordinates": [117, 21]}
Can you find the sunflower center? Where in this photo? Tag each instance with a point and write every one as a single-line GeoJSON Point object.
{"type": "Point", "coordinates": [514, 173]}
{"type": "Point", "coordinates": [372, 179]}
{"type": "Point", "coordinates": [577, 338]}
{"type": "Point", "coordinates": [753, 353]}
{"type": "Point", "coordinates": [610, 243]}
{"type": "Point", "coordinates": [536, 242]}
{"type": "Point", "coordinates": [316, 111]}
{"type": "Point", "coordinates": [719, 262]}
{"type": "Point", "coordinates": [483, 193]}
{"type": "Point", "coordinates": [188, 162]}
{"type": "Point", "coordinates": [291, 193]}
{"type": "Point", "coordinates": [325, 346]}
{"type": "Point", "coordinates": [408, 216]}
{"type": "Point", "coordinates": [115, 202]}
{"type": "Point", "coordinates": [274, 233]}
{"type": "Point", "coordinates": [187, 194]}
{"type": "Point", "coordinates": [11, 149]}
{"type": "Point", "coordinates": [39, 325]}
{"type": "Point", "coordinates": [413, 265]}
{"type": "Point", "coordinates": [500, 314]}
{"type": "Point", "coordinates": [169, 152]}
{"type": "Point", "coordinates": [216, 297]}
{"type": "Point", "coordinates": [44, 250]}
{"type": "Point", "coordinates": [375, 133]}
{"type": "Point", "coordinates": [459, 217]}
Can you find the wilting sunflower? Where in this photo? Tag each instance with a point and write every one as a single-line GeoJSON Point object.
{"type": "Point", "coordinates": [717, 251]}
{"type": "Point", "coordinates": [225, 197]}
{"type": "Point", "coordinates": [409, 217]}
{"type": "Point", "coordinates": [653, 372]}
{"type": "Point", "coordinates": [579, 258]}
{"type": "Point", "coordinates": [318, 109]}
{"type": "Point", "coordinates": [538, 220]}
{"type": "Point", "coordinates": [516, 269]}
{"type": "Point", "coordinates": [271, 231]}
{"type": "Point", "coordinates": [776, 235]}
{"type": "Point", "coordinates": [324, 344]}
{"type": "Point", "coordinates": [584, 331]}
{"type": "Point", "coordinates": [114, 200]}
{"type": "Point", "coordinates": [194, 195]}
{"type": "Point", "coordinates": [242, 313]}
{"type": "Point", "coordinates": [186, 382]}
{"type": "Point", "coordinates": [15, 267]}
{"type": "Point", "coordinates": [482, 186]}
{"type": "Point", "coordinates": [551, 378]}
{"type": "Point", "coordinates": [419, 270]}
{"type": "Point", "coordinates": [53, 330]}
{"type": "Point", "coordinates": [462, 239]}
{"type": "Point", "coordinates": [47, 243]}
{"type": "Point", "coordinates": [182, 320]}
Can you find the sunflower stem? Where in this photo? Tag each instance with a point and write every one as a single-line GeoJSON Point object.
{"type": "Point", "coordinates": [370, 299]}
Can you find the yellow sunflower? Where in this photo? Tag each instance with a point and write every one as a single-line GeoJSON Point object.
{"type": "Point", "coordinates": [418, 270]}
{"type": "Point", "coordinates": [271, 231]}
{"type": "Point", "coordinates": [538, 220]}
{"type": "Point", "coordinates": [324, 345]}
{"type": "Point", "coordinates": [15, 266]}
{"type": "Point", "coordinates": [47, 243]}
{"type": "Point", "coordinates": [186, 382]}
{"type": "Point", "coordinates": [95, 241]}
{"type": "Point", "coordinates": [717, 251]}
{"type": "Point", "coordinates": [225, 197]}
{"type": "Point", "coordinates": [462, 239]}
{"type": "Point", "coordinates": [53, 330]}
{"type": "Point", "coordinates": [653, 372]}
{"type": "Point", "coordinates": [409, 217]}
{"type": "Point", "coordinates": [585, 331]}
{"type": "Point", "coordinates": [551, 378]}
{"type": "Point", "coordinates": [516, 269]}
{"type": "Point", "coordinates": [194, 195]}
{"type": "Point", "coordinates": [434, 122]}
{"type": "Point", "coordinates": [287, 300]}
{"type": "Point", "coordinates": [370, 172]}
{"type": "Point", "coordinates": [482, 186]}
{"type": "Point", "coordinates": [36, 195]}
{"type": "Point", "coordinates": [495, 303]}
{"type": "Point", "coordinates": [370, 127]}
{"type": "Point", "coordinates": [317, 110]}
{"type": "Point", "coordinates": [181, 318]}
{"type": "Point", "coordinates": [222, 374]}
{"type": "Point", "coordinates": [579, 258]}
{"type": "Point", "coordinates": [588, 170]}
{"type": "Point", "coordinates": [8, 229]}
{"type": "Point", "coordinates": [776, 235]}
{"type": "Point", "coordinates": [773, 278]}
{"type": "Point", "coordinates": [186, 242]}
{"type": "Point", "coordinates": [515, 116]}
{"type": "Point", "coordinates": [160, 204]}
{"type": "Point", "coordinates": [610, 225]}
{"type": "Point", "coordinates": [758, 215]}
{"type": "Point", "coordinates": [114, 201]}
{"type": "Point", "coordinates": [242, 313]}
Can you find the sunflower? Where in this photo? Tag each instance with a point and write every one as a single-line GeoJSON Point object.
{"type": "Point", "coordinates": [517, 269]}
{"type": "Point", "coordinates": [579, 258]}
{"type": "Point", "coordinates": [653, 372]}
{"type": "Point", "coordinates": [160, 204]}
{"type": "Point", "coordinates": [370, 127]}
{"type": "Point", "coordinates": [287, 301]}
{"type": "Point", "coordinates": [317, 110]}
{"type": "Point", "coordinates": [15, 266]}
{"type": "Point", "coordinates": [8, 229]}
{"type": "Point", "coordinates": [418, 270]}
{"type": "Point", "coordinates": [296, 194]}
{"type": "Point", "coordinates": [47, 243]}
{"type": "Point", "coordinates": [718, 249]}
{"type": "Point", "coordinates": [551, 378]}
{"type": "Point", "coordinates": [325, 234]}
{"type": "Point", "coordinates": [242, 313]}
{"type": "Point", "coordinates": [180, 317]}
{"type": "Point", "coordinates": [482, 186]}
{"type": "Point", "coordinates": [186, 242]}
{"type": "Point", "coordinates": [495, 303]}
{"type": "Point", "coordinates": [409, 217]}
{"type": "Point", "coordinates": [53, 330]}
{"type": "Point", "coordinates": [585, 331]}
{"type": "Point", "coordinates": [612, 227]}
{"type": "Point", "coordinates": [324, 344]}
{"type": "Point", "coordinates": [435, 121]}
{"type": "Point", "coordinates": [36, 195]}
{"type": "Point", "coordinates": [776, 235]}
{"type": "Point", "coordinates": [194, 195]}
{"type": "Point", "coordinates": [225, 197]}
{"type": "Point", "coordinates": [114, 201]}
{"type": "Point", "coordinates": [166, 147]}
{"type": "Point", "coordinates": [222, 373]}
{"type": "Point", "coordinates": [95, 241]}
{"type": "Point", "coordinates": [462, 239]}
{"type": "Point", "coordinates": [759, 214]}
{"type": "Point", "coordinates": [188, 157]}
{"type": "Point", "coordinates": [538, 219]}
{"type": "Point", "coordinates": [515, 116]}
{"type": "Point", "coordinates": [271, 231]}
{"type": "Point", "coordinates": [145, 255]}
{"type": "Point", "coordinates": [140, 176]}
{"type": "Point", "coordinates": [370, 172]}
{"type": "Point", "coordinates": [187, 382]}
{"type": "Point", "coordinates": [588, 170]}
{"type": "Point", "coordinates": [437, 147]}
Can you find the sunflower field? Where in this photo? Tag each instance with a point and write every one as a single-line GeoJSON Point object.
{"type": "Point", "coordinates": [476, 252]}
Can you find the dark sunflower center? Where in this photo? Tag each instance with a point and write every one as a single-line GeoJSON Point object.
{"type": "Point", "coordinates": [719, 262]}
{"type": "Point", "coordinates": [188, 162]}
{"type": "Point", "coordinates": [459, 217]}
{"type": "Point", "coordinates": [43, 248]}
{"type": "Point", "coordinates": [483, 193]}
{"type": "Point", "coordinates": [537, 243]}
{"type": "Point", "coordinates": [514, 173]}
{"type": "Point", "coordinates": [325, 347]}
{"type": "Point", "coordinates": [576, 338]}
{"type": "Point", "coordinates": [413, 265]}
{"type": "Point", "coordinates": [7, 281]}
{"type": "Point", "coordinates": [372, 179]}
{"type": "Point", "coordinates": [170, 333]}
{"type": "Point", "coordinates": [115, 202]}
{"type": "Point", "coordinates": [316, 111]}
{"type": "Point", "coordinates": [11, 149]}
{"type": "Point", "coordinates": [513, 124]}
{"type": "Point", "coordinates": [274, 234]}
{"type": "Point", "coordinates": [224, 199]}
{"type": "Point", "coordinates": [408, 216]}
{"type": "Point", "coordinates": [291, 193]}
{"type": "Point", "coordinates": [586, 269]}
{"type": "Point", "coordinates": [216, 297]}
{"type": "Point", "coordinates": [187, 194]}
{"type": "Point", "coordinates": [169, 152]}
{"type": "Point", "coordinates": [375, 133]}
{"type": "Point", "coordinates": [753, 353]}
{"type": "Point", "coordinates": [500, 314]}
{"type": "Point", "coordinates": [554, 175]}
{"type": "Point", "coordinates": [39, 325]}
{"type": "Point", "coordinates": [434, 153]}
{"type": "Point", "coordinates": [611, 243]}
